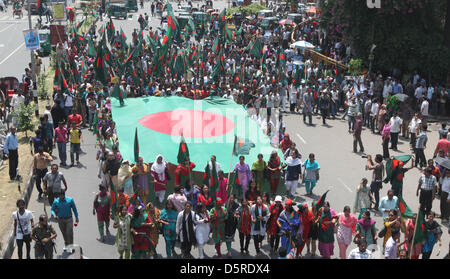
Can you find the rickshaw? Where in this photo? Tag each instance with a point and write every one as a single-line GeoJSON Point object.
{"type": "Point", "coordinates": [132, 5]}
{"type": "Point", "coordinates": [199, 18]}
{"type": "Point", "coordinates": [237, 18]}
{"type": "Point", "coordinates": [118, 11]}
{"type": "Point", "coordinates": [296, 18]}
{"type": "Point", "coordinates": [44, 41]}
{"type": "Point", "coordinates": [183, 20]}
{"type": "Point", "coordinates": [269, 22]}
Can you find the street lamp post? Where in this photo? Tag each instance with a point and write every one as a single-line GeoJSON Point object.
{"type": "Point", "coordinates": [33, 66]}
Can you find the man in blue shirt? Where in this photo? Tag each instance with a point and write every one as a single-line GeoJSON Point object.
{"type": "Point", "coordinates": [10, 147]}
{"type": "Point", "coordinates": [62, 209]}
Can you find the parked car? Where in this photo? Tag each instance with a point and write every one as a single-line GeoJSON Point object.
{"type": "Point", "coordinates": [265, 13]}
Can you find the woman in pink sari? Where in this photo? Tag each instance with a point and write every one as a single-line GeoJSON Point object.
{"type": "Point", "coordinates": [345, 231]}
{"type": "Point", "coordinates": [222, 193]}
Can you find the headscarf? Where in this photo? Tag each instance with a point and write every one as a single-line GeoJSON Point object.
{"type": "Point", "coordinates": [349, 222]}
{"type": "Point", "coordinates": [366, 224]}
{"type": "Point", "coordinates": [159, 168]}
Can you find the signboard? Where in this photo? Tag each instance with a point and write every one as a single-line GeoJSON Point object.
{"type": "Point", "coordinates": [58, 11]}
{"type": "Point", "coordinates": [31, 39]}
{"type": "Point", "coordinates": [57, 34]}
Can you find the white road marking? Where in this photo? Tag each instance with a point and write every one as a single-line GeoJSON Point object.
{"type": "Point", "coordinates": [7, 27]}
{"type": "Point", "coordinates": [2, 45]}
{"type": "Point", "coordinates": [12, 53]}
{"type": "Point", "coordinates": [5, 17]}
{"type": "Point", "coordinates": [345, 185]}
{"type": "Point", "coordinates": [302, 139]}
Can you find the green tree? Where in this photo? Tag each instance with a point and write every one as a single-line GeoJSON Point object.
{"type": "Point", "coordinates": [25, 118]}
{"type": "Point", "coordinates": [409, 35]}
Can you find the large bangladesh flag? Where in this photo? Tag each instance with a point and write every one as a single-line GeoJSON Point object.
{"type": "Point", "coordinates": [209, 127]}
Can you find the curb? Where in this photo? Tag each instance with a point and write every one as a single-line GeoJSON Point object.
{"type": "Point", "coordinates": [9, 249]}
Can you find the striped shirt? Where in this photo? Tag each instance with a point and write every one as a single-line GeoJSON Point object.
{"type": "Point", "coordinates": [355, 254]}
{"type": "Point", "coordinates": [427, 183]}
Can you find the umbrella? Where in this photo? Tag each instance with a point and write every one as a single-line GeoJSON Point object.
{"type": "Point", "coordinates": [69, 8]}
{"type": "Point", "coordinates": [302, 45]}
{"type": "Point", "coordinates": [443, 162]}
{"type": "Point", "coordinates": [285, 21]}
{"type": "Point", "coordinates": [312, 10]}
{"type": "Point", "coordinates": [214, 13]}
{"type": "Point", "coordinates": [401, 97]}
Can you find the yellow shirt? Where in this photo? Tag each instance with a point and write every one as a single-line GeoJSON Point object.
{"type": "Point", "coordinates": [75, 135]}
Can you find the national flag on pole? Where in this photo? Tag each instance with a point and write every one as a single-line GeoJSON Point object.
{"type": "Point", "coordinates": [114, 199]}
{"type": "Point", "coordinates": [136, 147]}
{"type": "Point", "coordinates": [320, 202]}
{"type": "Point", "coordinates": [183, 151]}
{"type": "Point", "coordinates": [405, 211]}
{"type": "Point", "coordinates": [420, 232]}
{"type": "Point", "coordinates": [242, 146]}
{"type": "Point", "coordinates": [256, 49]}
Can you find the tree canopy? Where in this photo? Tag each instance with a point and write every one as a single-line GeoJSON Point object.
{"type": "Point", "coordinates": [409, 34]}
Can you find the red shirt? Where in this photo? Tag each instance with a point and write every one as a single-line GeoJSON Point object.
{"type": "Point", "coordinates": [75, 119]}
{"type": "Point", "coordinates": [443, 144]}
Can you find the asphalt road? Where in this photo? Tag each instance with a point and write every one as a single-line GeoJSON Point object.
{"type": "Point", "coordinates": [341, 173]}
{"type": "Point", "coordinates": [14, 57]}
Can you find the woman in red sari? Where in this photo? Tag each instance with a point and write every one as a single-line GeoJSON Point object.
{"type": "Point", "coordinates": [274, 167]}
{"type": "Point", "coordinates": [275, 209]}
{"type": "Point", "coordinates": [205, 198]}
{"type": "Point", "coordinates": [244, 225]}
{"type": "Point", "coordinates": [306, 219]}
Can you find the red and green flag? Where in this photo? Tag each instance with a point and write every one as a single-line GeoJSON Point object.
{"type": "Point", "coordinates": [405, 211]}
{"type": "Point", "coordinates": [420, 232]}
{"type": "Point", "coordinates": [114, 199]}
{"type": "Point", "coordinates": [183, 151]}
{"type": "Point", "coordinates": [256, 49]}
{"type": "Point", "coordinates": [242, 146]}
{"type": "Point", "coordinates": [136, 147]}
{"type": "Point", "coordinates": [321, 201]}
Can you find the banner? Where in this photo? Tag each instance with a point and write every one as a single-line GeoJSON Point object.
{"type": "Point", "coordinates": [58, 11]}
{"type": "Point", "coordinates": [31, 39]}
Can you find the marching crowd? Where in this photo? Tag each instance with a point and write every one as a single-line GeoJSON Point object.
{"type": "Point", "coordinates": [216, 210]}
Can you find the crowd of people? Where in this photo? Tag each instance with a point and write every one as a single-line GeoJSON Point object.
{"type": "Point", "coordinates": [197, 213]}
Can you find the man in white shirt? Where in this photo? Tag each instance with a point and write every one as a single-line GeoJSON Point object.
{"type": "Point", "coordinates": [269, 103]}
{"type": "Point", "coordinates": [360, 253]}
{"type": "Point", "coordinates": [17, 99]}
{"type": "Point", "coordinates": [424, 109]}
{"type": "Point", "coordinates": [420, 91]}
{"type": "Point", "coordinates": [390, 250]}
{"type": "Point", "coordinates": [387, 89]}
{"type": "Point", "coordinates": [445, 198]}
{"type": "Point", "coordinates": [413, 126]}
{"type": "Point", "coordinates": [396, 124]}
{"type": "Point", "coordinates": [373, 114]}
{"type": "Point", "coordinates": [388, 203]}
{"type": "Point", "coordinates": [23, 224]}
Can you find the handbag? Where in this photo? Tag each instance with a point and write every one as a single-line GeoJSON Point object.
{"type": "Point", "coordinates": [382, 233]}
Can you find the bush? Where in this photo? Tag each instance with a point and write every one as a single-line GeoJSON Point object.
{"type": "Point", "coordinates": [25, 117]}
{"type": "Point", "coordinates": [42, 86]}
{"type": "Point", "coordinates": [252, 9]}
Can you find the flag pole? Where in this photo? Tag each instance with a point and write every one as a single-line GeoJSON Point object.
{"type": "Point", "coordinates": [231, 162]}
{"type": "Point", "coordinates": [414, 235]}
